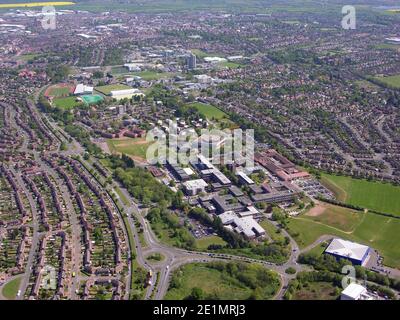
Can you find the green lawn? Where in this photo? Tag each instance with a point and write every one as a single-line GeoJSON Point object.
{"type": "Point", "coordinates": [379, 232]}
{"type": "Point", "coordinates": [11, 288]}
{"type": "Point", "coordinates": [220, 283]}
{"type": "Point", "coordinates": [230, 65]}
{"type": "Point", "coordinates": [203, 243]}
{"type": "Point", "coordinates": [152, 75]}
{"type": "Point", "coordinates": [66, 103]}
{"type": "Point", "coordinates": [372, 195]}
{"type": "Point", "coordinates": [272, 231]}
{"type": "Point", "coordinates": [123, 198]}
{"type": "Point", "coordinates": [393, 81]}
{"type": "Point", "coordinates": [208, 110]}
{"type": "Point", "coordinates": [106, 90]}
{"type": "Point", "coordinates": [132, 147]}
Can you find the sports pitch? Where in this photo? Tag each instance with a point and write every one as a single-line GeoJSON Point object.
{"type": "Point", "coordinates": [382, 197]}
{"type": "Point", "coordinates": [208, 110]}
{"type": "Point", "coordinates": [92, 99]}
{"type": "Point", "coordinates": [106, 90]}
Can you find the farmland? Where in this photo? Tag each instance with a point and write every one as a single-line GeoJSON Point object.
{"type": "Point", "coordinates": [371, 195]}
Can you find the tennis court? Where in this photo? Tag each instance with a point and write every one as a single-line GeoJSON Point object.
{"type": "Point", "coordinates": [92, 99]}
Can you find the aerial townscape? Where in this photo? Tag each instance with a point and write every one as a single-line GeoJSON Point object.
{"type": "Point", "coordinates": [90, 90]}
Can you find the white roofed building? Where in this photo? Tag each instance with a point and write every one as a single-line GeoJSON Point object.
{"type": "Point", "coordinates": [355, 291]}
{"type": "Point", "coordinates": [357, 253]}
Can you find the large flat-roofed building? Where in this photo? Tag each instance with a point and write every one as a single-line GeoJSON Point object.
{"type": "Point", "coordinates": [279, 165]}
{"type": "Point", "coordinates": [355, 291]}
{"type": "Point", "coordinates": [244, 178]}
{"type": "Point", "coordinates": [126, 93]}
{"type": "Point", "coordinates": [245, 226]}
{"type": "Point", "coordinates": [275, 192]}
{"type": "Point", "coordinates": [83, 89]}
{"type": "Point", "coordinates": [357, 253]}
{"type": "Point", "coordinates": [193, 187]}
{"type": "Point", "coordinates": [209, 172]}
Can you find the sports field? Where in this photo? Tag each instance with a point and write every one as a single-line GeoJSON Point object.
{"type": "Point", "coordinates": [60, 90]}
{"type": "Point", "coordinates": [106, 90]}
{"type": "Point", "coordinates": [152, 75]}
{"type": "Point", "coordinates": [10, 289]}
{"type": "Point", "coordinates": [377, 196]}
{"type": "Point", "coordinates": [136, 148]}
{"type": "Point", "coordinates": [208, 110]}
{"type": "Point", "coordinates": [379, 232]}
{"type": "Point", "coordinates": [66, 103]}
{"type": "Point", "coordinates": [92, 99]}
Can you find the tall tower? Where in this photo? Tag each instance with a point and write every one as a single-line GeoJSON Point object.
{"type": "Point", "coordinates": [192, 61]}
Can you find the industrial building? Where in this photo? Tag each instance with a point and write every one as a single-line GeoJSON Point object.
{"type": "Point", "coordinates": [357, 253]}
{"type": "Point", "coordinates": [245, 226]}
{"type": "Point", "coordinates": [194, 187]}
{"type": "Point", "coordinates": [355, 291]}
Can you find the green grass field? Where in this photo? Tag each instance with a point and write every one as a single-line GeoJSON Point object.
{"type": "Point", "coordinates": [379, 232]}
{"type": "Point", "coordinates": [338, 217]}
{"type": "Point", "coordinates": [11, 288]}
{"type": "Point", "coordinates": [66, 103]}
{"type": "Point", "coordinates": [393, 81]}
{"type": "Point", "coordinates": [203, 243]}
{"type": "Point", "coordinates": [152, 75]}
{"type": "Point", "coordinates": [371, 195]}
{"type": "Point", "coordinates": [58, 92]}
{"type": "Point", "coordinates": [218, 283]}
{"type": "Point", "coordinates": [208, 110]}
{"type": "Point", "coordinates": [136, 148]}
{"type": "Point", "coordinates": [106, 90]}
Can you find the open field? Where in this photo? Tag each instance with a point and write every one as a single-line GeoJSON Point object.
{"type": "Point", "coordinates": [66, 103]}
{"type": "Point", "coordinates": [208, 110]}
{"type": "Point", "coordinates": [220, 283]}
{"type": "Point", "coordinates": [316, 291]}
{"type": "Point", "coordinates": [335, 216]}
{"type": "Point", "coordinates": [203, 243]}
{"type": "Point", "coordinates": [393, 81]}
{"type": "Point", "coordinates": [377, 196]}
{"type": "Point", "coordinates": [152, 75]}
{"type": "Point", "coordinates": [135, 148]}
{"type": "Point", "coordinates": [10, 289]}
{"type": "Point", "coordinates": [379, 232]}
{"type": "Point", "coordinates": [106, 90]}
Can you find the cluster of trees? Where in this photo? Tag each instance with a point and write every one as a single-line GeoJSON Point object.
{"type": "Point", "coordinates": [57, 72]}
{"type": "Point", "coordinates": [178, 232]}
{"type": "Point", "coordinates": [143, 187]}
